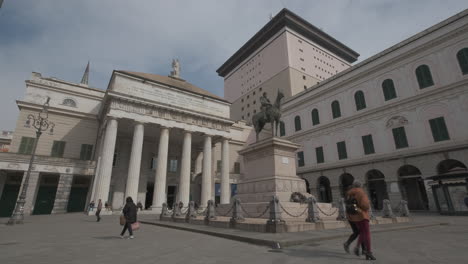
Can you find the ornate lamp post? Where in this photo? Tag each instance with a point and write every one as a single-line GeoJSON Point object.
{"type": "Point", "coordinates": [40, 123]}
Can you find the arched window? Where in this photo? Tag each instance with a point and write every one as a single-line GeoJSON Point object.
{"type": "Point", "coordinates": [297, 123]}
{"type": "Point", "coordinates": [462, 56]}
{"type": "Point", "coordinates": [423, 74]}
{"type": "Point", "coordinates": [388, 89]}
{"type": "Point", "coordinates": [282, 129]}
{"type": "Point", "coordinates": [359, 100]}
{"type": "Point", "coordinates": [69, 102]}
{"type": "Point", "coordinates": [336, 112]}
{"type": "Point", "coordinates": [315, 117]}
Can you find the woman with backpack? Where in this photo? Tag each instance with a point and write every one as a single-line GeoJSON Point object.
{"type": "Point", "coordinates": [357, 209]}
{"type": "Point", "coordinates": [130, 213]}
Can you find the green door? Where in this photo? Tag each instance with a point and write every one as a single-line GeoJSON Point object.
{"type": "Point", "coordinates": [8, 199]}
{"type": "Point", "coordinates": [45, 200]}
{"type": "Point", "coordinates": [77, 200]}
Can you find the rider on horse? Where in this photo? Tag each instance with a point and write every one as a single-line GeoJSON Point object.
{"type": "Point", "coordinates": [266, 104]}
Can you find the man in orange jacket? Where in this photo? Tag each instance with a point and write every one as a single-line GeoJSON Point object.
{"type": "Point", "coordinates": [361, 218]}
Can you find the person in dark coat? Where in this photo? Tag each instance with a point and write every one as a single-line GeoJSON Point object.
{"type": "Point", "coordinates": [130, 214]}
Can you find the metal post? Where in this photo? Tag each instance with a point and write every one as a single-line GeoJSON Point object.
{"type": "Point", "coordinates": [40, 123]}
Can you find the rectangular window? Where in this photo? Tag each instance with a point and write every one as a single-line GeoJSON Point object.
{"type": "Point", "coordinates": [342, 154]}
{"type": "Point", "coordinates": [218, 165]}
{"type": "Point", "coordinates": [86, 152]}
{"type": "Point", "coordinates": [319, 155]}
{"type": "Point", "coordinates": [439, 129]}
{"type": "Point", "coordinates": [26, 145]}
{"type": "Point", "coordinates": [300, 159]}
{"type": "Point", "coordinates": [399, 135]}
{"type": "Point", "coordinates": [368, 144]}
{"type": "Point", "coordinates": [237, 167]}
{"type": "Point", "coordinates": [173, 165]}
{"type": "Point", "coordinates": [58, 148]}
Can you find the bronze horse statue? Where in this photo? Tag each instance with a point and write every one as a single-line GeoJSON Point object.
{"type": "Point", "coordinates": [271, 115]}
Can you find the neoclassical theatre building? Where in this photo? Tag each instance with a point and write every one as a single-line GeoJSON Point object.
{"type": "Point", "coordinates": [155, 138]}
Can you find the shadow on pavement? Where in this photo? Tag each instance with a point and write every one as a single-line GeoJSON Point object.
{"type": "Point", "coordinates": [108, 237]}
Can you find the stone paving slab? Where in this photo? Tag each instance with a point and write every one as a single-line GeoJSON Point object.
{"type": "Point", "coordinates": [280, 240]}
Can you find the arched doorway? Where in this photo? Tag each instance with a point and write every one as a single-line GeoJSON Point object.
{"type": "Point", "coordinates": [377, 188]}
{"type": "Point", "coordinates": [346, 180]}
{"type": "Point", "coordinates": [324, 190]}
{"type": "Point", "coordinates": [412, 186]}
{"type": "Point", "coordinates": [449, 164]}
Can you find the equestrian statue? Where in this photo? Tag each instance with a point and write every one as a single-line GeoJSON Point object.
{"type": "Point", "coordinates": [269, 113]}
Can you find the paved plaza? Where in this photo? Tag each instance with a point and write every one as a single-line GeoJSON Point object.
{"type": "Point", "coordinates": [76, 238]}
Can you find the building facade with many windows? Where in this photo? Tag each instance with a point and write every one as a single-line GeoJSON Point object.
{"type": "Point", "coordinates": [391, 121]}
{"type": "Point", "coordinates": [288, 53]}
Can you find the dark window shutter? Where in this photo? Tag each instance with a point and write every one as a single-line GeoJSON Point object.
{"type": "Point", "coordinates": [423, 74]}
{"type": "Point", "coordinates": [319, 154]}
{"type": "Point", "coordinates": [439, 129]}
{"type": "Point", "coordinates": [399, 136]}
{"type": "Point", "coordinates": [462, 57]}
{"type": "Point", "coordinates": [297, 123]}
{"type": "Point", "coordinates": [300, 159]}
{"type": "Point", "coordinates": [359, 100]}
{"type": "Point", "coordinates": [315, 117]}
{"type": "Point", "coordinates": [388, 89]}
{"type": "Point", "coordinates": [336, 112]}
{"type": "Point", "coordinates": [342, 154]}
{"type": "Point", "coordinates": [368, 144]}
{"type": "Point", "coordinates": [282, 129]}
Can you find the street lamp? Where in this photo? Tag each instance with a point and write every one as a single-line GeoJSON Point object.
{"type": "Point", "coordinates": [40, 123]}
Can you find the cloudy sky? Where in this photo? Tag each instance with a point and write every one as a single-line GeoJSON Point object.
{"type": "Point", "coordinates": [57, 38]}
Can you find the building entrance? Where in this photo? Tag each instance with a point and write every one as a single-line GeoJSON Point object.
{"type": "Point", "coordinates": [46, 194]}
{"type": "Point", "coordinates": [10, 193]}
{"type": "Point", "coordinates": [78, 194]}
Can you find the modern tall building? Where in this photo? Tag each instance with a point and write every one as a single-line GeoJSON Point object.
{"type": "Point", "coordinates": [288, 53]}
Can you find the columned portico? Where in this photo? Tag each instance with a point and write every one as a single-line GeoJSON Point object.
{"type": "Point", "coordinates": [159, 196]}
{"type": "Point", "coordinates": [104, 179]}
{"type": "Point", "coordinates": [206, 173]}
{"type": "Point", "coordinates": [184, 182]}
{"type": "Point", "coordinates": [225, 188]}
{"type": "Point", "coordinates": [135, 162]}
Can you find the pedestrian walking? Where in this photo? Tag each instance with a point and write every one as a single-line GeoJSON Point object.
{"type": "Point", "coordinates": [98, 211]}
{"type": "Point", "coordinates": [130, 213]}
{"type": "Point", "coordinates": [361, 217]}
{"type": "Point", "coordinates": [349, 211]}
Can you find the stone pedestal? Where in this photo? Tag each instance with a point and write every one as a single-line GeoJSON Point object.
{"type": "Point", "coordinates": [270, 169]}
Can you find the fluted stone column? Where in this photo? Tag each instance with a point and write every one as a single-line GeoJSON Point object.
{"type": "Point", "coordinates": [133, 177]}
{"type": "Point", "coordinates": [184, 183]}
{"type": "Point", "coordinates": [104, 178]}
{"type": "Point", "coordinates": [225, 190]}
{"type": "Point", "coordinates": [159, 194]}
{"type": "Point", "coordinates": [206, 174]}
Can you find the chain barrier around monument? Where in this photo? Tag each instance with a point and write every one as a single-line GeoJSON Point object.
{"type": "Point", "coordinates": [290, 214]}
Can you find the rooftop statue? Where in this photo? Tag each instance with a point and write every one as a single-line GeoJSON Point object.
{"type": "Point", "coordinates": [175, 68]}
{"type": "Point", "coordinates": [269, 113]}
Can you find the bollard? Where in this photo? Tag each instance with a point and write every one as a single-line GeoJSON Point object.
{"type": "Point", "coordinates": [191, 213]}
{"type": "Point", "coordinates": [275, 224]}
{"type": "Point", "coordinates": [236, 213]}
{"type": "Point", "coordinates": [210, 212]}
{"type": "Point", "coordinates": [341, 211]}
{"type": "Point", "coordinates": [404, 211]}
{"type": "Point", "coordinates": [387, 211]}
{"type": "Point", "coordinates": [312, 210]}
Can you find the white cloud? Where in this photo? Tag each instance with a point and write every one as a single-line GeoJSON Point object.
{"type": "Point", "coordinates": [57, 38]}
